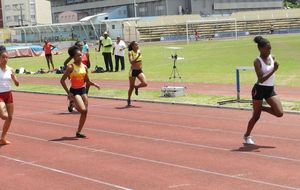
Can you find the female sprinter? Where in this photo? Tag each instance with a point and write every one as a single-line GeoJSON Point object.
{"type": "Point", "coordinates": [78, 74]}
{"type": "Point", "coordinates": [135, 59]}
{"type": "Point", "coordinates": [85, 59]}
{"type": "Point", "coordinates": [6, 99]}
{"type": "Point", "coordinates": [265, 67]}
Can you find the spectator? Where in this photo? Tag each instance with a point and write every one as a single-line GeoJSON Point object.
{"type": "Point", "coordinates": [119, 51]}
{"type": "Point", "coordinates": [85, 47]}
{"type": "Point", "coordinates": [48, 47]}
{"type": "Point", "coordinates": [272, 29]}
{"type": "Point", "coordinates": [197, 35]}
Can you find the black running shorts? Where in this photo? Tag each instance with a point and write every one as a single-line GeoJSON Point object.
{"type": "Point", "coordinates": [260, 92]}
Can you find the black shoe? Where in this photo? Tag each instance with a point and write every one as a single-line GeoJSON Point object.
{"type": "Point", "coordinates": [80, 135]}
{"type": "Point", "coordinates": [136, 91]}
{"type": "Point", "coordinates": [70, 107]}
{"type": "Point", "coordinates": [128, 102]}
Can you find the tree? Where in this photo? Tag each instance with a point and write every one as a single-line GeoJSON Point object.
{"type": "Point", "coordinates": [292, 3]}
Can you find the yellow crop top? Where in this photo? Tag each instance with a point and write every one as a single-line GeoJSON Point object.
{"type": "Point", "coordinates": [78, 75]}
{"type": "Point", "coordinates": [134, 55]}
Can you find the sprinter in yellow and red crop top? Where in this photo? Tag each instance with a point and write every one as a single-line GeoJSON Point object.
{"type": "Point", "coordinates": [135, 59]}
{"type": "Point", "coordinates": [85, 59]}
{"type": "Point", "coordinates": [78, 74]}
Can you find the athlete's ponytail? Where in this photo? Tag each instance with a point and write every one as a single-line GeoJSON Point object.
{"type": "Point", "coordinates": [261, 42]}
{"type": "Point", "coordinates": [130, 47]}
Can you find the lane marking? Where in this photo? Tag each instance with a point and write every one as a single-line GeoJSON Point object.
{"type": "Point", "coordinates": [64, 172]}
{"type": "Point", "coordinates": [198, 170]}
{"type": "Point", "coordinates": [178, 186]}
{"type": "Point", "coordinates": [105, 106]}
{"type": "Point", "coordinates": [177, 126]}
{"type": "Point", "coordinates": [163, 140]}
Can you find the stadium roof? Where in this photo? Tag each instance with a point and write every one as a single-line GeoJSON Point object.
{"type": "Point", "coordinates": [88, 18]}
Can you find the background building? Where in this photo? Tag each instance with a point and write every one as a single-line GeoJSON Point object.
{"type": "Point", "coordinates": [25, 12]}
{"type": "Point", "coordinates": [1, 15]}
{"type": "Point", "coordinates": [141, 8]}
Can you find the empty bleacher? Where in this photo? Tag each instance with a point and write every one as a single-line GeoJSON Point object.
{"type": "Point", "coordinates": [250, 23]}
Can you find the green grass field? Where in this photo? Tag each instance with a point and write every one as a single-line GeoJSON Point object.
{"type": "Point", "coordinates": [211, 61]}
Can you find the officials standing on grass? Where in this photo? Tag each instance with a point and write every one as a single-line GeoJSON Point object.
{"type": "Point", "coordinates": [106, 44]}
{"type": "Point", "coordinates": [6, 98]}
{"type": "Point", "coordinates": [119, 47]}
{"type": "Point", "coordinates": [265, 67]}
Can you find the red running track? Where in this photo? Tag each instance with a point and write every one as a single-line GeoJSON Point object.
{"type": "Point", "coordinates": [149, 146]}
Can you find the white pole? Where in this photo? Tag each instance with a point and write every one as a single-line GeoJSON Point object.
{"type": "Point", "coordinates": [187, 32]}
{"type": "Point", "coordinates": [135, 5]}
{"type": "Point", "coordinates": [235, 28]}
{"type": "Point", "coordinates": [167, 7]}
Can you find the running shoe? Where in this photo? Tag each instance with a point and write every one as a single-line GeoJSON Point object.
{"type": "Point", "coordinates": [70, 107]}
{"type": "Point", "coordinates": [80, 135]}
{"type": "Point", "coordinates": [128, 102]}
{"type": "Point", "coordinates": [4, 142]}
{"type": "Point", "coordinates": [136, 91]}
{"type": "Point", "coordinates": [248, 140]}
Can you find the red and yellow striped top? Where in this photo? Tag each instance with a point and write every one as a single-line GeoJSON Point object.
{"type": "Point", "coordinates": [78, 76]}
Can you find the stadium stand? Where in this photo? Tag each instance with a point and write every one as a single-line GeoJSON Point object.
{"type": "Point", "coordinates": [248, 23]}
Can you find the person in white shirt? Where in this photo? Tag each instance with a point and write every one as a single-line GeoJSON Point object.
{"type": "Point", "coordinates": [119, 47]}
{"type": "Point", "coordinates": [265, 68]}
{"type": "Point", "coordinates": [6, 99]}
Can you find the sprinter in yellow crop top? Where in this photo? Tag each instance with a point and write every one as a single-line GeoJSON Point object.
{"type": "Point", "coordinates": [78, 74]}
{"type": "Point", "coordinates": [135, 59]}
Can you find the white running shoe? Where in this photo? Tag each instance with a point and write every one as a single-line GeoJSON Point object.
{"type": "Point", "coordinates": [248, 140]}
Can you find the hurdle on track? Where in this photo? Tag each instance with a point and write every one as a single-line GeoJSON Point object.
{"type": "Point", "coordinates": [238, 86]}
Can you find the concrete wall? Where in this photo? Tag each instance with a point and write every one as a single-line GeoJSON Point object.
{"type": "Point", "coordinates": [209, 7]}
{"type": "Point", "coordinates": [43, 12]}
{"type": "Point", "coordinates": [177, 7]}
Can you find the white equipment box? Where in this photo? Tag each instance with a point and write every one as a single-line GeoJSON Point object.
{"type": "Point", "coordinates": [172, 91]}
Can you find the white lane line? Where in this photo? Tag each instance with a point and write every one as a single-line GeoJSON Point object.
{"type": "Point", "coordinates": [196, 115]}
{"type": "Point", "coordinates": [64, 172]}
{"type": "Point", "coordinates": [198, 170]}
{"type": "Point", "coordinates": [175, 125]}
{"type": "Point", "coordinates": [192, 128]}
{"type": "Point", "coordinates": [163, 140]}
{"type": "Point", "coordinates": [178, 186]}
{"type": "Point", "coordinates": [201, 115]}
{"type": "Point", "coordinates": [179, 126]}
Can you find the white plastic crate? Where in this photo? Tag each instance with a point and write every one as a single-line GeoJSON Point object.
{"type": "Point", "coordinates": [172, 91]}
